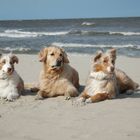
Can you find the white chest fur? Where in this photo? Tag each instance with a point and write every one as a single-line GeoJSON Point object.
{"type": "Point", "coordinates": [8, 87]}
{"type": "Point", "coordinates": [96, 86]}
{"type": "Point", "coordinates": [97, 83]}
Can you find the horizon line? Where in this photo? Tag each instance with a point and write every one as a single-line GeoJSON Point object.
{"type": "Point", "coordinates": [69, 18]}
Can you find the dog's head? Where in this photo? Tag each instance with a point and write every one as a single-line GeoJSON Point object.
{"type": "Point", "coordinates": [7, 62]}
{"type": "Point", "coordinates": [53, 57]}
{"type": "Point", "coordinates": [104, 62]}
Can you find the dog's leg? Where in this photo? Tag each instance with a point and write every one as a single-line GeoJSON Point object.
{"type": "Point", "coordinates": [98, 97]}
{"type": "Point", "coordinates": [41, 95]}
{"type": "Point", "coordinates": [75, 79]}
{"type": "Point", "coordinates": [13, 95]}
{"type": "Point", "coordinates": [71, 92]}
{"type": "Point", "coordinates": [4, 95]}
{"type": "Point", "coordinates": [125, 82]}
{"type": "Point", "coordinates": [82, 98]}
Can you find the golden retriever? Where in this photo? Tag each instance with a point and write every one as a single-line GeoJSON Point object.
{"type": "Point", "coordinates": [105, 81]}
{"type": "Point", "coordinates": [57, 76]}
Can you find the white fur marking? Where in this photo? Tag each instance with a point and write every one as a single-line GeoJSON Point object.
{"type": "Point", "coordinates": [109, 69]}
{"type": "Point", "coordinates": [88, 100]}
{"type": "Point", "coordinates": [97, 84]}
{"type": "Point", "coordinates": [81, 99]}
{"type": "Point", "coordinates": [98, 75]}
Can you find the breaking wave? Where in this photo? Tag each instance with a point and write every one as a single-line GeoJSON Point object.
{"type": "Point", "coordinates": [88, 24]}
{"type": "Point", "coordinates": [77, 48]}
{"type": "Point", "coordinates": [27, 34]}
{"type": "Point", "coordinates": [93, 33]}
{"type": "Point", "coordinates": [94, 46]}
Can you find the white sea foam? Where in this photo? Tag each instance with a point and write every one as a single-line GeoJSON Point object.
{"type": "Point", "coordinates": [27, 34]}
{"type": "Point", "coordinates": [94, 33]}
{"type": "Point", "coordinates": [71, 46]}
{"type": "Point", "coordinates": [19, 49]}
{"type": "Point", "coordinates": [125, 33]}
{"type": "Point", "coordinates": [76, 45]}
{"type": "Point", "coordinates": [88, 23]}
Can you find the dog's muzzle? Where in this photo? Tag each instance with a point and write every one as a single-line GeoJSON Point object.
{"type": "Point", "coordinates": [110, 69]}
{"type": "Point", "coordinates": [9, 70]}
{"type": "Point", "coordinates": [58, 64]}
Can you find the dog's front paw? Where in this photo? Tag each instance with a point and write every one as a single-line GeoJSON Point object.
{"type": "Point", "coordinates": [81, 99]}
{"type": "Point", "coordinates": [3, 96]}
{"type": "Point", "coordinates": [10, 99]}
{"type": "Point", "coordinates": [129, 92]}
{"type": "Point", "coordinates": [67, 98]}
{"type": "Point", "coordinates": [79, 102]}
{"type": "Point", "coordinates": [88, 101]}
{"type": "Point", "coordinates": [38, 97]}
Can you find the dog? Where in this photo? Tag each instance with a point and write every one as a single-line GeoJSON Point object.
{"type": "Point", "coordinates": [57, 76]}
{"type": "Point", "coordinates": [105, 81]}
{"type": "Point", "coordinates": [11, 84]}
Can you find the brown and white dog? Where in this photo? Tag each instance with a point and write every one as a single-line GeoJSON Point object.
{"type": "Point", "coordinates": [57, 76]}
{"type": "Point", "coordinates": [105, 81]}
{"type": "Point", "coordinates": [11, 84]}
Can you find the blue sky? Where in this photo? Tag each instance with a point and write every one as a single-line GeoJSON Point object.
{"type": "Point", "coordinates": [59, 9]}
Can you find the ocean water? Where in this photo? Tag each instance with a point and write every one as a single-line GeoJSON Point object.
{"type": "Point", "coordinates": [80, 36]}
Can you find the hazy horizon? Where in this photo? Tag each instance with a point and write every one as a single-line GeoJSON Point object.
{"type": "Point", "coordinates": [71, 18]}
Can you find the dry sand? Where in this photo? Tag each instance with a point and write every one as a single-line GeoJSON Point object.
{"type": "Point", "coordinates": [57, 119]}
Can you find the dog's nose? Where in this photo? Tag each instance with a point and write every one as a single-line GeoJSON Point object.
{"type": "Point", "coordinates": [9, 70]}
{"type": "Point", "coordinates": [112, 68]}
{"type": "Point", "coordinates": [58, 63]}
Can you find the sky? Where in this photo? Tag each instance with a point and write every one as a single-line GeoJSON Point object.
{"type": "Point", "coordinates": [64, 9]}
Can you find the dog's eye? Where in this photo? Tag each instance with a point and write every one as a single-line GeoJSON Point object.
{"type": "Point", "coordinates": [112, 61]}
{"type": "Point", "coordinates": [105, 61]}
{"type": "Point", "coordinates": [11, 63]}
{"type": "Point", "coordinates": [60, 54]}
{"type": "Point", "coordinates": [3, 62]}
{"type": "Point", "coordinates": [52, 54]}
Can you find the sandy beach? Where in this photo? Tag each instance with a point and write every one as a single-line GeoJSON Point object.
{"type": "Point", "coordinates": [55, 118]}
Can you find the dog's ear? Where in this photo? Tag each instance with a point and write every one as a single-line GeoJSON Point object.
{"type": "Point", "coordinates": [112, 53]}
{"type": "Point", "coordinates": [14, 59]}
{"type": "Point", "coordinates": [0, 55]}
{"type": "Point", "coordinates": [65, 58]}
{"type": "Point", "coordinates": [43, 55]}
{"type": "Point", "coordinates": [97, 56]}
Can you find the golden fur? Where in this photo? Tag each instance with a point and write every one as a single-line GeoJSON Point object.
{"type": "Point", "coordinates": [105, 81]}
{"type": "Point", "coordinates": [57, 76]}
